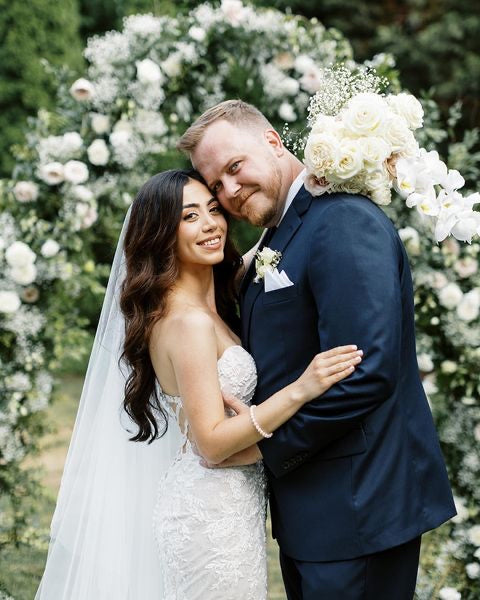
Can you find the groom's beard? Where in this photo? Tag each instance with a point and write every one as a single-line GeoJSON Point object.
{"type": "Point", "coordinates": [264, 209]}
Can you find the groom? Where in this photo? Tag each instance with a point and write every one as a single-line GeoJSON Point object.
{"type": "Point", "coordinates": [357, 475]}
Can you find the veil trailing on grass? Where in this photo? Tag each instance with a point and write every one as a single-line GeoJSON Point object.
{"type": "Point", "coordinates": [102, 543]}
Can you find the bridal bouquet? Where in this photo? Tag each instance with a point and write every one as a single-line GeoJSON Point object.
{"type": "Point", "coordinates": [361, 141]}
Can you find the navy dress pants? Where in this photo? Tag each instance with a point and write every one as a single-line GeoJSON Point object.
{"type": "Point", "coordinates": [387, 575]}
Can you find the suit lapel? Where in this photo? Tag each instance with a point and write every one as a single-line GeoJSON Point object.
{"type": "Point", "coordinates": [280, 240]}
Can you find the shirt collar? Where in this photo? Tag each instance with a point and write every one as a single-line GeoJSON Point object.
{"type": "Point", "coordinates": [292, 192]}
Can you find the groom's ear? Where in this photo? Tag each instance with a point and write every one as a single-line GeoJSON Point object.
{"type": "Point", "coordinates": [274, 140]}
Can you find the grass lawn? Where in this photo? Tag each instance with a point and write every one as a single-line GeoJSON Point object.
{"type": "Point", "coordinates": [22, 568]}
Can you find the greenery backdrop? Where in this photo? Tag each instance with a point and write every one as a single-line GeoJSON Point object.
{"type": "Point", "coordinates": [87, 153]}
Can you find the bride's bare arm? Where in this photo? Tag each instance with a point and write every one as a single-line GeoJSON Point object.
{"type": "Point", "coordinates": [194, 360]}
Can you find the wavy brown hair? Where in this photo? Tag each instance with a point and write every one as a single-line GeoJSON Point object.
{"type": "Point", "coordinates": [151, 270]}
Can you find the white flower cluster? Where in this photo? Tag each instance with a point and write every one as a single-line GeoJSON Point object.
{"type": "Point", "coordinates": [266, 260]}
{"type": "Point", "coordinates": [362, 142]}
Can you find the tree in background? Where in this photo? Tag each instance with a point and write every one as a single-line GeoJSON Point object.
{"type": "Point", "coordinates": [32, 31]}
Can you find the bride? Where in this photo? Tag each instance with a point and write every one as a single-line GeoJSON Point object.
{"type": "Point", "coordinates": [167, 368]}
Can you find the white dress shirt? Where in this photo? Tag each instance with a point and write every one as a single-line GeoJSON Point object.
{"type": "Point", "coordinates": [292, 192]}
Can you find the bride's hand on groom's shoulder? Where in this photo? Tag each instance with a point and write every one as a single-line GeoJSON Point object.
{"type": "Point", "coordinates": [326, 369]}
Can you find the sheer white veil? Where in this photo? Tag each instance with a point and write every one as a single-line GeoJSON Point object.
{"type": "Point", "coordinates": [102, 543]}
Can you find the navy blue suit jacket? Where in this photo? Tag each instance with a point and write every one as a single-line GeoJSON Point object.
{"type": "Point", "coordinates": [359, 469]}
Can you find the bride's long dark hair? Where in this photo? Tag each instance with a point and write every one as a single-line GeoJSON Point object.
{"type": "Point", "coordinates": [152, 268]}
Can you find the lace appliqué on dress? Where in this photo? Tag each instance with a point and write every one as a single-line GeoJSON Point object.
{"type": "Point", "coordinates": [210, 523]}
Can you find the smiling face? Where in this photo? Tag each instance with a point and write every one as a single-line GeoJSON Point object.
{"type": "Point", "coordinates": [242, 167]}
{"type": "Point", "coordinates": [202, 230]}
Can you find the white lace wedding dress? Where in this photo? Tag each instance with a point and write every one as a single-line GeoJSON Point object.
{"type": "Point", "coordinates": [210, 523]}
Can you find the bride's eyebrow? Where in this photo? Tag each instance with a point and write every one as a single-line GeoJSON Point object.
{"type": "Point", "coordinates": [194, 205]}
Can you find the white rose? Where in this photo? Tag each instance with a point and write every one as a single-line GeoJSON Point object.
{"type": "Point", "coordinates": [365, 114]}
{"type": "Point", "coordinates": [316, 185]}
{"type": "Point", "coordinates": [19, 254]}
{"type": "Point", "coordinates": [98, 153]}
{"type": "Point", "coordinates": [448, 367]}
{"type": "Point", "coordinates": [286, 112]}
{"type": "Point", "coordinates": [474, 535]}
{"type": "Point", "coordinates": [9, 302]}
{"type": "Point", "coordinates": [197, 33]}
{"type": "Point", "coordinates": [378, 186]}
{"type": "Point", "coordinates": [52, 173]}
{"type": "Point", "coordinates": [473, 570]}
{"type": "Point", "coordinates": [408, 107]}
{"type": "Point", "coordinates": [100, 123]}
{"type": "Point", "coordinates": [425, 363]}
{"type": "Point", "coordinates": [411, 239]}
{"type": "Point", "coordinates": [466, 267]}
{"type": "Point", "coordinates": [350, 161]}
{"type": "Point", "coordinates": [71, 142]}
{"type": "Point", "coordinates": [172, 66]}
{"type": "Point", "coordinates": [449, 593]}
{"type": "Point", "coordinates": [82, 90]}
{"type": "Point", "coordinates": [24, 275]}
{"type": "Point", "coordinates": [450, 295]}
{"type": "Point", "coordinates": [25, 191]}
{"type": "Point", "coordinates": [398, 136]}
{"type": "Point", "coordinates": [326, 124]}
{"type": "Point", "coordinates": [375, 150]}
{"type": "Point", "coordinates": [148, 72]}
{"type": "Point", "coordinates": [49, 248]}
{"type": "Point", "coordinates": [469, 307]}
{"type": "Point", "coordinates": [82, 193]}
{"type": "Point", "coordinates": [267, 255]}
{"type": "Point", "coordinates": [76, 171]}
{"type": "Point", "coordinates": [321, 153]}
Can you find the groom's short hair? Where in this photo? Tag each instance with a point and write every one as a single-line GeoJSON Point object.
{"type": "Point", "coordinates": [236, 112]}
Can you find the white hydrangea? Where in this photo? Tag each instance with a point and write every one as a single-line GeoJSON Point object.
{"type": "Point", "coordinates": [19, 382]}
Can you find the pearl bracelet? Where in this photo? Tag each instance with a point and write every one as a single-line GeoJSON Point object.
{"type": "Point", "coordinates": [256, 425]}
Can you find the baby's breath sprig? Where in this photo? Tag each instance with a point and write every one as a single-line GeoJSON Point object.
{"type": "Point", "coordinates": [294, 140]}
{"type": "Point", "coordinates": [338, 85]}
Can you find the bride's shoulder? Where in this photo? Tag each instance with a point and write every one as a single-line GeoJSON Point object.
{"type": "Point", "coordinates": [185, 323]}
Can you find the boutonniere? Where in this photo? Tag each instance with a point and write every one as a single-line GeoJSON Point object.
{"type": "Point", "coordinates": [266, 260]}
